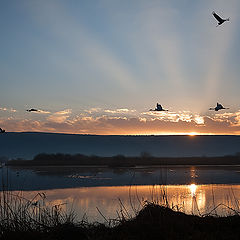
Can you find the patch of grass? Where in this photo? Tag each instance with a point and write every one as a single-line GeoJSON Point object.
{"type": "Point", "coordinates": [20, 216]}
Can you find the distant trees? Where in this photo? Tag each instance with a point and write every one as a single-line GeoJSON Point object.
{"type": "Point", "coordinates": [59, 157]}
{"type": "Point", "coordinates": [77, 159]}
{"type": "Point", "coordinates": [145, 159]}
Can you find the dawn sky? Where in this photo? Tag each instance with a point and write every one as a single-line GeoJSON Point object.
{"type": "Point", "coordinates": [97, 67]}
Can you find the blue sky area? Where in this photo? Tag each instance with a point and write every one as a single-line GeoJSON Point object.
{"type": "Point", "coordinates": [99, 66]}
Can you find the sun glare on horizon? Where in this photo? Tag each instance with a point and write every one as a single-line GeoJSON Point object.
{"type": "Point", "coordinates": [192, 134]}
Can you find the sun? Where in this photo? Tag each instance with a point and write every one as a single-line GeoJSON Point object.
{"type": "Point", "coordinates": [192, 134]}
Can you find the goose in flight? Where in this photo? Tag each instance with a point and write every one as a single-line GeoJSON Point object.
{"type": "Point", "coordinates": [219, 19]}
{"type": "Point", "coordinates": [32, 110]}
{"type": "Point", "coordinates": [158, 108]}
{"type": "Point", "coordinates": [218, 107]}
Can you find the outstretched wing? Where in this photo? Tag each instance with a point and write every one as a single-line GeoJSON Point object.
{"type": "Point", "coordinates": [159, 107]}
{"type": "Point", "coordinates": [219, 105]}
{"type": "Point", "coordinates": [217, 17]}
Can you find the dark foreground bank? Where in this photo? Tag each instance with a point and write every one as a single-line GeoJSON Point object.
{"type": "Point", "coordinates": [152, 222]}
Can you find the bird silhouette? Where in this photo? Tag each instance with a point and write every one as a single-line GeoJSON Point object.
{"type": "Point", "coordinates": [158, 108]}
{"type": "Point", "coordinates": [32, 110]}
{"type": "Point", "coordinates": [218, 107]}
{"type": "Point", "coordinates": [219, 19]}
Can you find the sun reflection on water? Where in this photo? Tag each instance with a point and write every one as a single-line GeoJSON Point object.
{"type": "Point", "coordinates": [191, 199]}
{"type": "Point", "coordinates": [193, 188]}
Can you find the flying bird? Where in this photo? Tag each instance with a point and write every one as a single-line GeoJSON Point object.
{"type": "Point", "coordinates": [32, 110]}
{"type": "Point", "coordinates": [158, 108]}
{"type": "Point", "coordinates": [218, 107]}
{"type": "Point", "coordinates": [219, 19]}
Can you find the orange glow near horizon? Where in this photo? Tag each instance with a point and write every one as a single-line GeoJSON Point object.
{"type": "Point", "coordinates": [135, 133]}
{"type": "Point", "coordinates": [193, 134]}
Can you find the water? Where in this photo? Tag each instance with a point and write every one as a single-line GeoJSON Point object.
{"type": "Point", "coordinates": [194, 190]}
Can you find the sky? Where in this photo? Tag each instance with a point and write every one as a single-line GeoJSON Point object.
{"type": "Point", "coordinates": [97, 67]}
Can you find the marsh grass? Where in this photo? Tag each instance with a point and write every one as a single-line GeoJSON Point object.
{"type": "Point", "coordinates": [18, 214]}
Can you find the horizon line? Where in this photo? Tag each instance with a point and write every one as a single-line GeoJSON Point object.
{"type": "Point", "coordinates": [189, 134]}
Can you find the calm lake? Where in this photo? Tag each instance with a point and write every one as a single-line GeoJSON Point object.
{"type": "Point", "coordinates": [94, 192]}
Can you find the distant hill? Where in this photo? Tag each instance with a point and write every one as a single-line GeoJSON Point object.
{"type": "Point", "coordinates": [28, 144]}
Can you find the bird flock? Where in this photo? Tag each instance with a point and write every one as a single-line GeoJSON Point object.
{"type": "Point", "coordinates": [159, 107]}
{"type": "Point", "coordinates": [219, 106]}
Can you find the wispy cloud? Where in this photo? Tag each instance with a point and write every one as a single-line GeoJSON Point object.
{"type": "Point", "coordinates": [93, 110]}
{"type": "Point", "coordinates": [60, 116]}
{"type": "Point", "coordinates": [63, 112]}
{"type": "Point", "coordinates": [121, 110]}
{"type": "Point", "coordinates": [7, 110]}
{"type": "Point", "coordinates": [39, 111]}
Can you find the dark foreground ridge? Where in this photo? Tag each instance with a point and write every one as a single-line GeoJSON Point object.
{"type": "Point", "coordinates": [121, 161]}
{"type": "Point", "coordinates": [152, 222]}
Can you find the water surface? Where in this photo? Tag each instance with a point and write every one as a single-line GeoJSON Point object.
{"type": "Point", "coordinates": [196, 190]}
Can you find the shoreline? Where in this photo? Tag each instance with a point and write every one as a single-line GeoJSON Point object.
{"type": "Point", "coordinates": [133, 167]}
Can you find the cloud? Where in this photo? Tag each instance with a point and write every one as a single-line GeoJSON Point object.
{"type": "Point", "coordinates": [93, 110]}
{"type": "Point", "coordinates": [120, 110]}
{"type": "Point", "coordinates": [98, 112]}
{"type": "Point", "coordinates": [232, 118]}
{"type": "Point", "coordinates": [60, 117]}
{"type": "Point", "coordinates": [198, 119]}
{"type": "Point", "coordinates": [185, 116]}
{"type": "Point", "coordinates": [39, 111]}
{"type": "Point", "coordinates": [168, 123]}
{"type": "Point", "coordinates": [19, 125]}
{"type": "Point", "coordinates": [7, 110]}
{"type": "Point", "coordinates": [63, 112]}
{"type": "Point", "coordinates": [127, 121]}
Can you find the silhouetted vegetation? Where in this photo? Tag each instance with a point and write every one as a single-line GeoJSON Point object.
{"type": "Point", "coordinates": [23, 219]}
{"type": "Point", "coordinates": [146, 159]}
